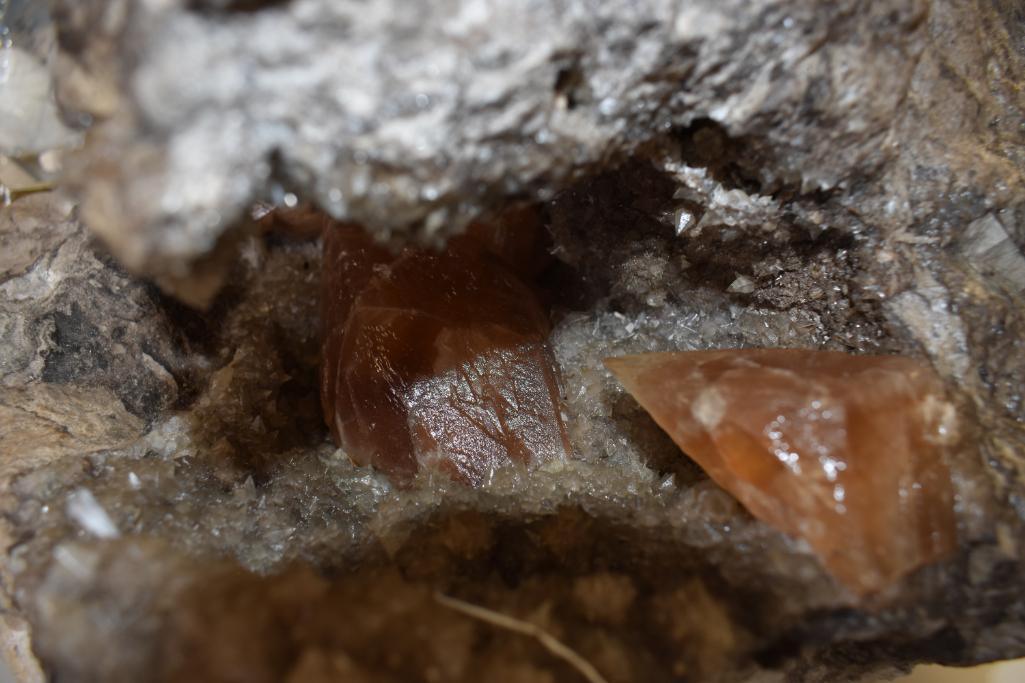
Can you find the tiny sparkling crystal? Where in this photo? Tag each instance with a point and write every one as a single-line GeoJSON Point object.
{"type": "Point", "coordinates": [844, 451]}
{"type": "Point", "coordinates": [435, 361]}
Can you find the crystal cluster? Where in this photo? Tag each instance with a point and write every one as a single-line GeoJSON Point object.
{"type": "Point", "coordinates": [435, 360]}
{"type": "Point", "coordinates": [844, 451]}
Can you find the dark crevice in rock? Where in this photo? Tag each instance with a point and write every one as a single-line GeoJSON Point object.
{"type": "Point", "coordinates": [732, 161]}
{"type": "Point", "coordinates": [233, 6]}
{"type": "Point", "coordinates": [571, 84]}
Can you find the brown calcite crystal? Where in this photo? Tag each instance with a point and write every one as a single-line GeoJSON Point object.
{"type": "Point", "coordinates": [435, 361]}
{"type": "Point", "coordinates": [844, 451]}
{"type": "Point", "coordinates": [350, 256]}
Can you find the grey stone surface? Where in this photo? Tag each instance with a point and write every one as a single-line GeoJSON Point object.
{"type": "Point", "coordinates": [416, 118]}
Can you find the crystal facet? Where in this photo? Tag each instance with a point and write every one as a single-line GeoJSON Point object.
{"type": "Point", "coordinates": [435, 360]}
{"type": "Point", "coordinates": [844, 451]}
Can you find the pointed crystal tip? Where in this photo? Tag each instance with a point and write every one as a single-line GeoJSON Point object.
{"type": "Point", "coordinates": [844, 451]}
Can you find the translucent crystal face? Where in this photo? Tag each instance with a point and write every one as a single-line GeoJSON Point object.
{"type": "Point", "coordinates": [844, 451]}
{"type": "Point", "coordinates": [435, 360]}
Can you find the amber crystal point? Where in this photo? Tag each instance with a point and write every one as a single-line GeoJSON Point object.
{"type": "Point", "coordinates": [844, 451]}
{"type": "Point", "coordinates": [435, 361]}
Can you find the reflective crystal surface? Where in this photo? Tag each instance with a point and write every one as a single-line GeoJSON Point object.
{"type": "Point", "coordinates": [844, 451]}
{"type": "Point", "coordinates": [436, 361]}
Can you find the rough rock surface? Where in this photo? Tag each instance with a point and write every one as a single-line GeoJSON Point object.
{"type": "Point", "coordinates": [415, 118]}
{"type": "Point", "coordinates": [714, 174]}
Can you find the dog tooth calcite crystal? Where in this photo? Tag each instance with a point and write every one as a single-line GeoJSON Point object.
{"type": "Point", "coordinates": [844, 451]}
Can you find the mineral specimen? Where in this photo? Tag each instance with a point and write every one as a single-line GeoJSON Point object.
{"type": "Point", "coordinates": [435, 361]}
{"type": "Point", "coordinates": [845, 451]}
{"type": "Point", "coordinates": [859, 165]}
